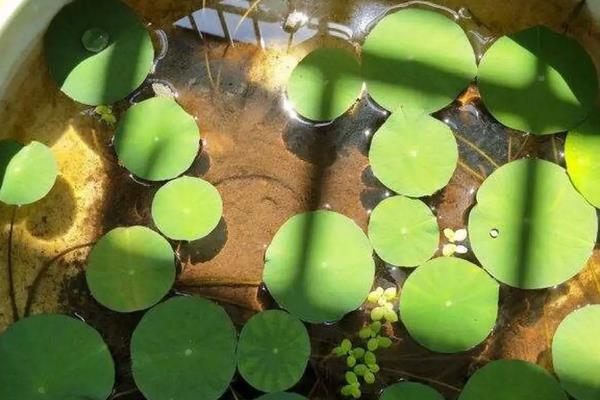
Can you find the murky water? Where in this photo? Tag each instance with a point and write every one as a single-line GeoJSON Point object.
{"type": "Point", "coordinates": [227, 62]}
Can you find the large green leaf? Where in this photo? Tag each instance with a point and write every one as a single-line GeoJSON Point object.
{"type": "Point", "coordinates": [325, 84]}
{"type": "Point", "coordinates": [512, 380]}
{"type": "Point", "coordinates": [157, 140]}
{"type": "Point", "coordinates": [403, 231]}
{"type": "Point", "coordinates": [449, 304]}
{"type": "Point", "coordinates": [583, 164]}
{"type": "Point", "coordinates": [187, 208]}
{"type": "Point", "coordinates": [54, 357]}
{"type": "Point", "coordinates": [530, 228]}
{"type": "Point", "coordinates": [417, 58]}
{"type": "Point", "coordinates": [319, 266]}
{"type": "Point", "coordinates": [98, 51]}
{"type": "Point", "coordinates": [413, 154]}
{"type": "Point", "coordinates": [538, 81]}
{"type": "Point", "coordinates": [27, 173]}
{"type": "Point", "coordinates": [576, 353]}
{"type": "Point", "coordinates": [410, 391]}
{"type": "Point", "coordinates": [184, 349]}
{"type": "Point", "coordinates": [273, 351]}
{"type": "Point", "coordinates": [130, 269]}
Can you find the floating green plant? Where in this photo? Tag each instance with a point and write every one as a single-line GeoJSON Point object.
{"type": "Point", "coordinates": [582, 148]}
{"type": "Point", "coordinates": [281, 396]}
{"type": "Point", "coordinates": [184, 349]}
{"type": "Point", "coordinates": [319, 266]}
{"type": "Point", "coordinates": [455, 238]}
{"type": "Point", "coordinates": [449, 305]}
{"type": "Point", "coordinates": [417, 58]}
{"type": "Point", "coordinates": [403, 231]}
{"type": "Point", "coordinates": [273, 351]}
{"type": "Point", "coordinates": [156, 139]}
{"type": "Point", "coordinates": [403, 156]}
{"type": "Point", "coordinates": [514, 380]}
{"type": "Point", "coordinates": [130, 269]}
{"type": "Point", "coordinates": [187, 208]}
{"type": "Point", "coordinates": [27, 173]}
{"type": "Point", "coordinates": [325, 84]}
{"type": "Point", "coordinates": [538, 81]}
{"type": "Point", "coordinates": [98, 52]}
{"type": "Point", "coordinates": [530, 228]}
{"type": "Point", "coordinates": [410, 391]}
{"type": "Point", "coordinates": [576, 353]}
{"type": "Point", "coordinates": [54, 357]}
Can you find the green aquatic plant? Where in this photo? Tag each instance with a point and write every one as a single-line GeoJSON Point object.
{"type": "Point", "coordinates": [53, 356]}
{"type": "Point", "coordinates": [410, 391]}
{"type": "Point", "coordinates": [402, 156]}
{"type": "Point", "coordinates": [575, 350]}
{"type": "Point", "coordinates": [156, 139]}
{"type": "Point", "coordinates": [530, 228]}
{"type": "Point", "coordinates": [319, 266]}
{"type": "Point", "coordinates": [403, 231]}
{"type": "Point", "coordinates": [184, 349]}
{"type": "Point", "coordinates": [27, 173]}
{"type": "Point", "coordinates": [449, 305]}
{"type": "Point", "coordinates": [455, 238]}
{"type": "Point", "coordinates": [417, 58]}
{"type": "Point", "coordinates": [273, 351]}
{"type": "Point", "coordinates": [130, 269]}
{"type": "Point", "coordinates": [106, 115]}
{"type": "Point", "coordinates": [514, 380]}
{"type": "Point", "coordinates": [325, 84]}
{"type": "Point", "coordinates": [538, 81]}
{"type": "Point", "coordinates": [98, 52]}
{"type": "Point", "coordinates": [187, 208]}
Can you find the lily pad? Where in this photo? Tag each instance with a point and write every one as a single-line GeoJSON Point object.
{"type": "Point", "coordinates": [273, 351]}
{"type": "Point", "coordinates": [538, 81]}
{"type": "Point", "coordinates": [576, 353]}
{"type": "Point", "coordinates": [417, 58]}
{"type": "Point", "coordinates": [130, 269]}
{"type": "Point", "coordinates": [98, 52]}
{"type": "Point", "coordinates": [187, 208]}
{"type": "Point", "coordinates": [410, 391]}
{"type": "Point", "coordinates": [184, 349]}
{"type": "Point", "coordinates": [54, 357]}
{"type": "Point", "coordinates": [281, 396]}
{"type": "Point", "coordinates": [514, 380]}
{"type": "Point", "coordinates": [27, 173]}
{"type": "Point", "coordinates": [449, 305]}
{"type": "Point", "coordinates": [319, 266]}
{"type": "Point", "coordinates": [530, 228]}
{"type": "Point", "coordinates": [413, 154]}
{"type": "Point", "coordinates": [325, 84]}
{"type": "Point", "coordinates": [157, 140]}
{"type": "Point", "coordinates": [403, 231]}
{"type": "Point", "coordinates": [583, 164]}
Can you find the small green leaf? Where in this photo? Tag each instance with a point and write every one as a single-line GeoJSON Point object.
{"type": "Point", "coordinates": [351, 377]}
{"type": "Point", "coordinates": [374, 368]}
{"type": "Point", "coordinates": [372, 344]}
{"type": "Point", "coordinates": [365, 333]}
{"type": "Point", "coordinates": [370, 358]}
{"type": "Point", "coordinates": [384, 342]}
{"type": "Point", "coordinates": [390, 293]}
{"type": "Point", "coordinates": [377, 313]}
{"type": "Point", "coordinates": [338, 351]}
{"type": "Point", "coordinates": [360, 369]}
{"type": "Point", "coordinates": [346, 345]}
{"type": "Point", "coordinates": [390, 315]}
{"type": "Point", "coordinates": [346, 391]}
{"type": "Point", "coordinates": [376, 327]}
{"type": "Point", "coordinates": [358, 352]}
{"type": "Point", "coordinates": [369, 378]}
{"type": "Point", "coordinates": [350, 361]}
{"type": "Point", "coordinates": [356, 392]}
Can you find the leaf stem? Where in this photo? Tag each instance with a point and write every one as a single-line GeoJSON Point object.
{"type": "Point", "coordinates": [422, 378]}
{"type": "Point", "coordinates": [9, 263]}
{"type": "Point", "coordinates": [478, 150]}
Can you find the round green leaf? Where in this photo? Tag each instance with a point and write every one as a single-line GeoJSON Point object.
{"type": "Point", "coordinates": [410, 391]}
{"type": "Point", "coordinates": [325, 84]}
{"type": "Point", "coordinates": [514, 380]}
{"type": "Point", "coordinates": [413, 154]}
{"type": "Point", "coordinates": [157, 140]}
{"type": "Point", "coordinates": [98, 52]}
{"type": "Point", "coordinates": [576, 353]}
{"type": "Point", "coordinates": [27, 173]}
{"type": "Point", "coordinates": [403, 231]}
{"type": "Point", "coordinates": [319, 266]}
{"type": "Point", "coordinates": [417, 58]}
{"type": "Point", "coordinates": [187, 208]}
{"type": "Point", "coordinates": [583, 164]}
{"type": "Point", "coordinates": [273, 351]}
{"type": "Point", "coordinates": [52, 357]}
{"type": "Point", "coordinates": [449, 304]}
{"type": "Point", "coordinates": [538, 81]}
{"type": "Point", "coordinates": [184, 349]}
{"type": "Point", "coordinates": [530, 228]}
{"type": "Point", "coordinates": [281, 396]}
{"type": "Point", "coordinates": [130, 269]}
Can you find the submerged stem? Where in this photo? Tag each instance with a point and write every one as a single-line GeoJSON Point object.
{"type": "Point", "coordinates": [9, 263]}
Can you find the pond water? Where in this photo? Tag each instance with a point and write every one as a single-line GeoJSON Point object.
{"type": "Point", "coordinates": [228, 62]}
